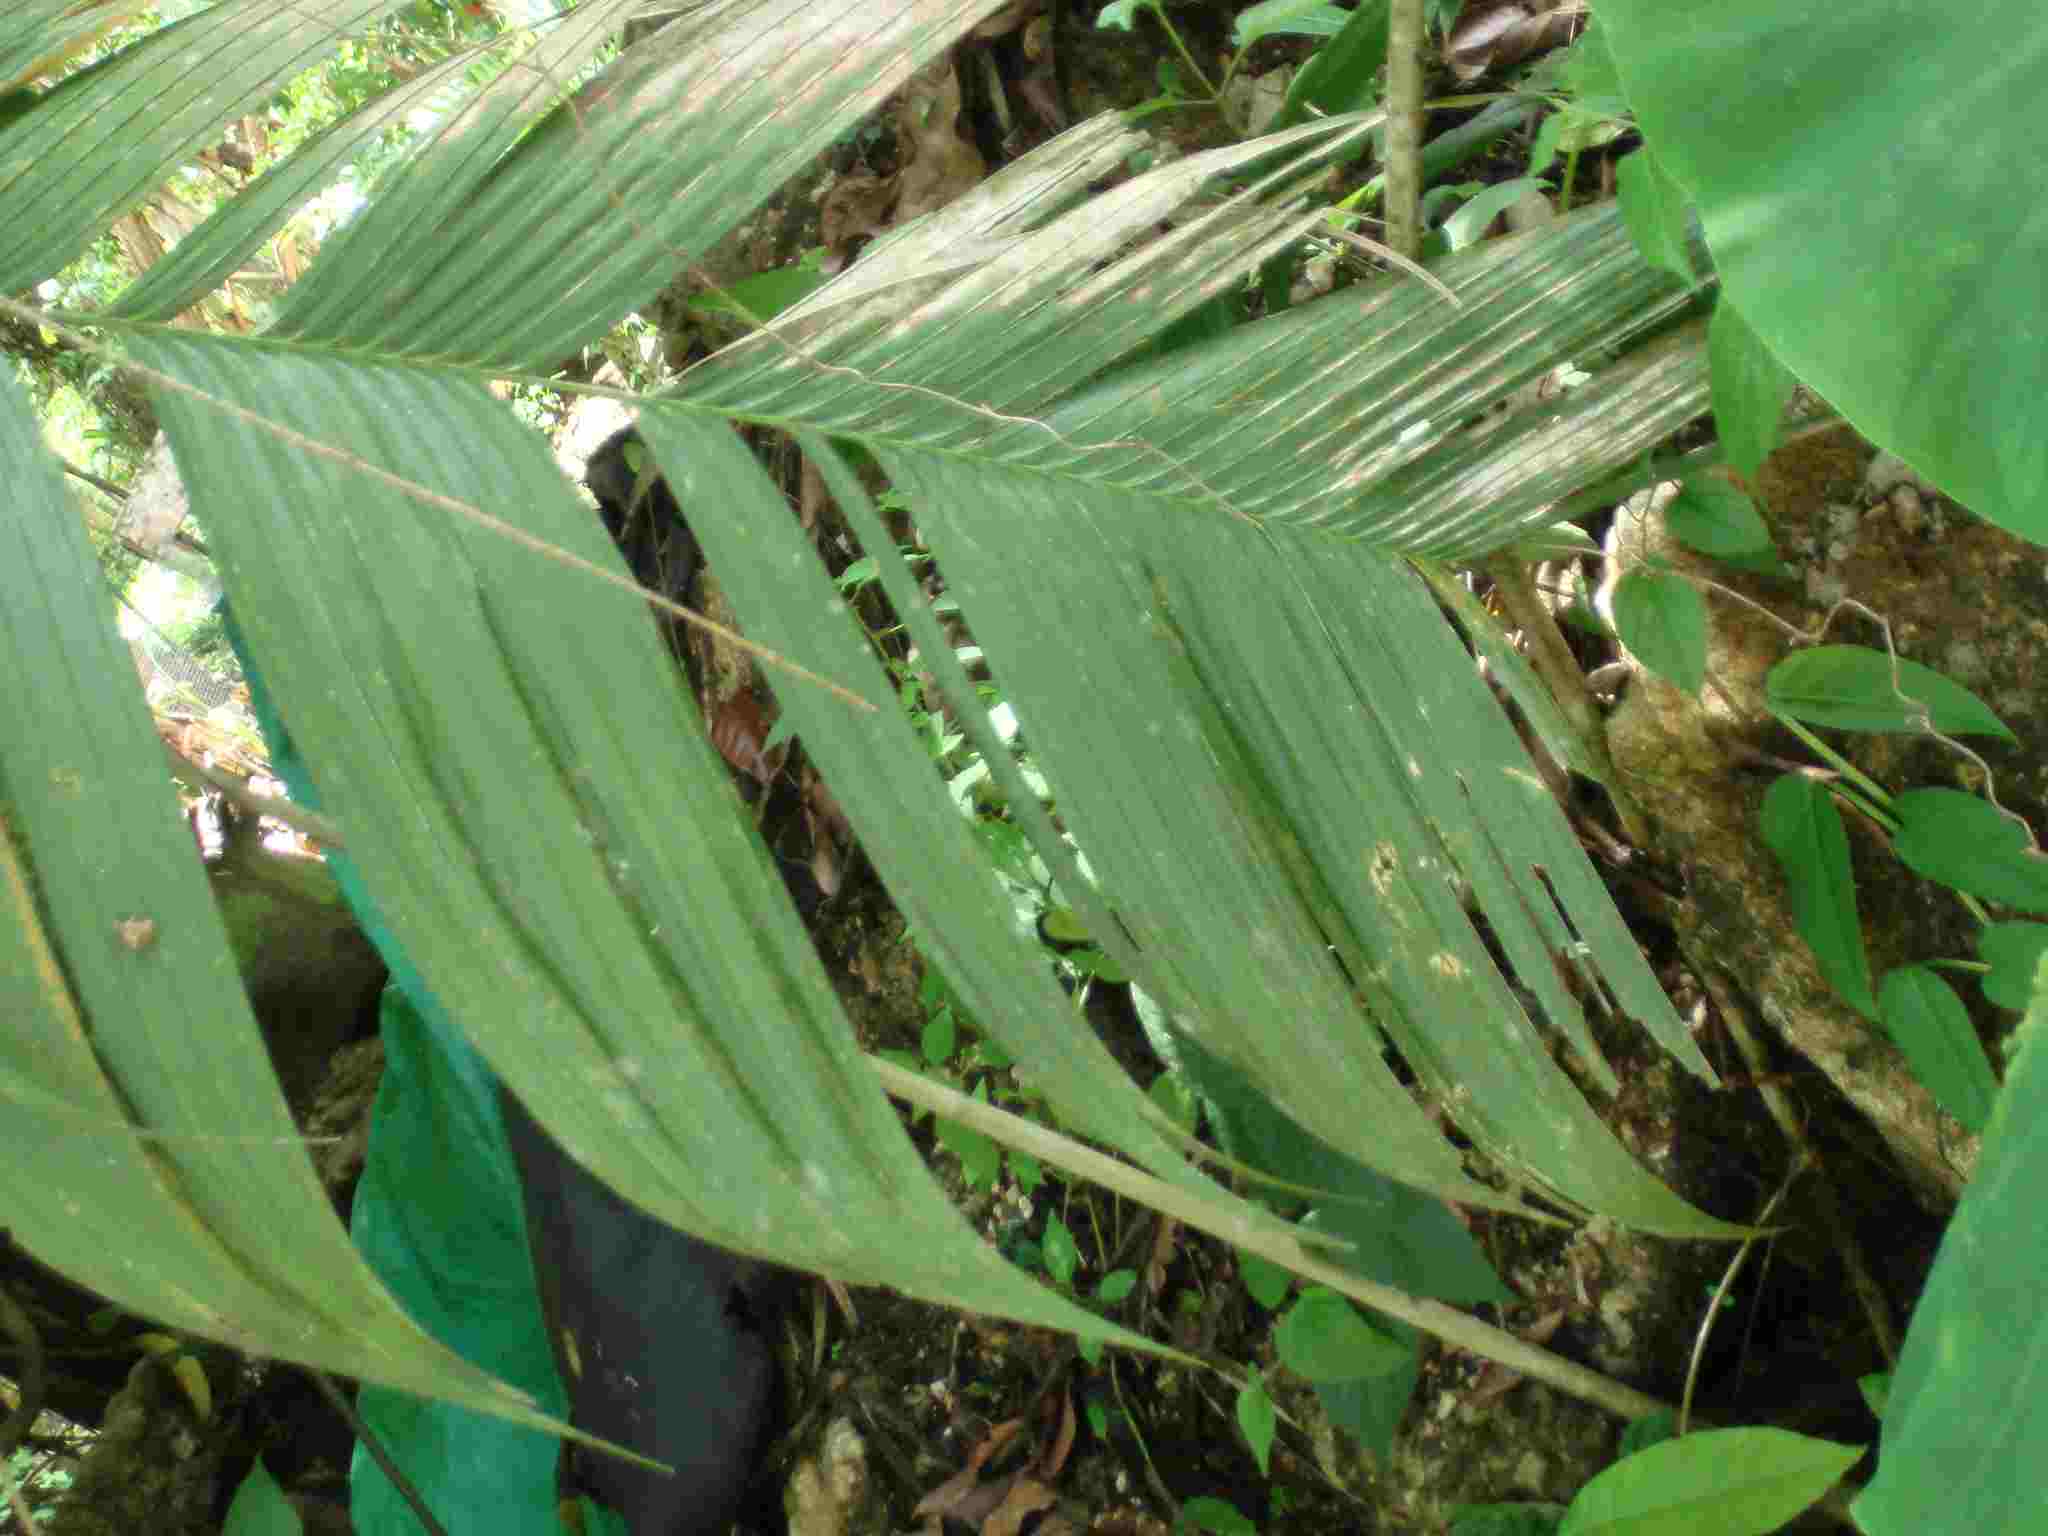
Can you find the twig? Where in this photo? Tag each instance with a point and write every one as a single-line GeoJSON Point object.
{"type": "Point", "coordinates": [306, 823]}
{"type": "Point", "coordinates": [378, 1454]}
{"type": "Point", "coordinates": [1699, 1343]}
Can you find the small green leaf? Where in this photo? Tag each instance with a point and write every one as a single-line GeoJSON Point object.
{"type": "Point", "coordinates": [1464, 227]}
{"type": "Point", "coordinates": [981, 1160]}
{"type": "Point", "coordinates": [1214, 1515]}
{"type": "Point", "coordinates": [1323, 1337]}
{"type": "Point", "coordinates": [1855, 688]}
{"type": "Point", "coordinates": [940, 1038]}
{"type": "Point", "coordinates": [1258, 1419]}
{"type": "Point", "coordinates": [1928, 1022]}
{"type": "Point", "coordinates": [1802, 827]}
{"type": "Point", "coordinates": [1664, 625]}
{"type": "Point", "coordinates": [1264, 1281]}
{"type": "Point", "coordinates": [1115, 1286]}
{"type": "Point", "coordinates": [1559, 540]}
{"type": "Point", "coordinates": [1025, 1170]}
{"type": "Point", "coordinates": [1716, 518]}
{"type": "Point", "coordinates": [1967, 843]}
{"type": "Point", "coordinates": [2013, 951]}
{"type": "Point", "coordinates": [1062, 1255]}
{"type": "Point", "coordinates": [1750, 387]}
{"type": "Point", "coordinates": [1653, 208]}
{"type": "Point", "coordinates": [1876, 1389]}
{"type": "Point", "coordinates": [1089, 1349]}
{"type": "Point", "coordinates": [1344, 74]}
{"type": "Point", "coordinates": [1715, 1482]}
{"type": "Point", "coordinates": [1062, 926]}
{"type": "Point", "coordinates": [1281, 18]}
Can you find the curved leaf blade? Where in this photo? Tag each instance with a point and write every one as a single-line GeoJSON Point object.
{"type": "Point", "coordinates": [1928, 1022]}
{"type": "Point", "coordinates": [1856, 688]}
{"type": "Point", "coordinates": [1880, 249]}
{"type": "Point", "coordinates": [1969, 844]}
{"type": "Point", "coordinates": [1803, 828]}
{"type": "Point", "coordinates": [1716, 1482]}
{"type": "Point", "coordinates": [1663, 622]}
{"type": "Point", "coordinates": [2013, 951]}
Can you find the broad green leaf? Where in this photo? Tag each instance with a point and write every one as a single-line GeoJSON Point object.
{"type": "Point", "coordinates": [1964, 1432]}
{"type": "Point", "coordinates": [1258, 1418]}
{"type": "Point", "coordinates": [1370, 1408]}
{"type": "Point", "coordinates": [1801, 825]}
{"type": "Point", "coordinates": [1714, 1482]}
{"type": "Point", "coordinates": [1325, 1338]}
{"type": "Point", "coordinates": [1716, 518]}
{"type": "Point", "coordinates": [1928, 1022]}
{"type": "Point", "coordinates": [1750, 389]}
{"type": "Point", "coordinates": [2013, 950]}
{"type": "Point", "coordinates": [1300, 18]}
{"type": "Point", "coordinates": [1395, 1235]}
{"type": "Point", "coordinates": [1655, 209]}
{"type": "Point", "coordinates": [1868, 222]}
{"type": "Point", "coordinates": [1968, 843]}
{"type": "Point", "coordinates": [260, 1507]}
{"type": "Point", "coordinates": [1663, 622]}
{"type": "Point", "coordinates": [154, 1158]}
{"type": "Point", "coordinates": [764, 295]}
{"type": "Point", "coordinates": [1343, 76]}
{"type": "Point", "coordinates": [1856, 688]}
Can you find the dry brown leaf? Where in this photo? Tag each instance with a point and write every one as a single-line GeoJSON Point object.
{"type": "Point", "coordinates": [1026, 1497]}
{"type": "Point", "coordinates": [927, 123]}
{"type": "Point", "coordinates": [858, 204]}
{"type": "Point", "coordinates": [1490, 37]}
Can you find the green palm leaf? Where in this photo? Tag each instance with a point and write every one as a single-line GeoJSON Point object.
{"type": "Point", "coordinates": [1186, 571]}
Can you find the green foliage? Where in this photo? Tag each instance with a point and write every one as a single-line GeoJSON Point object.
{"type": "Point", "coordinates": [1663, 622]}
{"type": "Point", "coordinates": [1802, 827]}
{"type": "Point", "coordinates": [1928, 1022]}
{"type": "Point", "coordinates": [1964, 1434]}
{"type": "Point", "coordinates": [1962, 841]}
{"type": "Point", "coordinates": [2012, 952]}
{"type": "Point", "coordinates": [1855, 688]}
{"type": "Point", "coordinates": [1324, 1338]}
{"type": "Point", "coordinates": [1259, 1419]}
{"type": "Point", "coordinates": [1720, 1482]}
{"type": "Point", "coordinates": [1716, 518]}
{"type": "Point", "coordinates": [1921, 341]}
